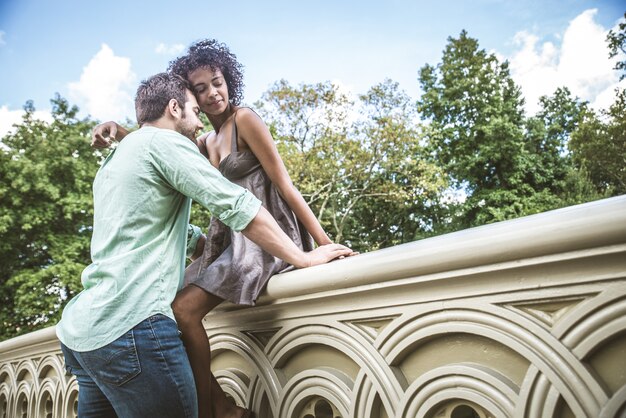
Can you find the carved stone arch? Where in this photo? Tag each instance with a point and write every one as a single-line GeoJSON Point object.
{"type": "Point", "coordinates": [365, 398]}
{"type": "Point", "coordinates": [48, 364]}
{"type": "Point", "coordinates": [616, 406]}
{"type": "Point", "coordinates": [313, 385]}
{"type": "Point", "coordinates": [539, 398]}
{"type": "Point", "coordinates": [69, 404]}
{"type": "Point", "coordinates": [579, 321]}
{"type": "Point", "coordinates": [595, 328]}
{"type": "Point", "coordinates": [261, 380]}
{"type": "Point", "coordinates": [558, 364]}
{"type": "Point", "coordinates": [7, 374]}
{"type": "Point", "coordinates": [234, 384]}
{"type": "Point", "coordinates": [7, 389]}
{"type": "Point", "coordinates": [5, 402]}
{"type": "Point", "coordinates": [49, 384]}
{"type": "Point", "coordinates": [24, 399]}
{"type": "Point", "coordinates": [477, 384]}
{"type": "Point", "coordinates": [58, 401]}
{"type": "Point", "coordinates": [44, 400]}
{"type": "Point", "coordinates": [599, 330]}
{"type": "Point", "coordinates": [339, 337]}
{"type": "Point", "coordinates": [26, 370]}
{"type": "Point", "coordinates": [590, 322]}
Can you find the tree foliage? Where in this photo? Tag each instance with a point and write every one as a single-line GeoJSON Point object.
{"type": "Point", "coordinates": [46, 172]}
{"type": "Point", "coordinates": [599, 148]}
{"type": "Point", "coordinates": [377, 169]}
{"type": "Point", "coordinates": [616, 40]}
{"type": "Point", "coordinates": [474, 116]}
{"type": "Point", "coordinates": [557, 181]}
{"type": "Point", "coordinates": [503, 164]}
{"type": "Point", "coordinates": [360, 171]}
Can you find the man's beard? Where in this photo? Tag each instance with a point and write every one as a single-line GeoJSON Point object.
{"type": "Point", "coordinates": [185, 129]}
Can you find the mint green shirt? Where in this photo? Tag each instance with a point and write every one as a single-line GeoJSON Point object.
{"type": "Point", "coordinates": [142, 200]}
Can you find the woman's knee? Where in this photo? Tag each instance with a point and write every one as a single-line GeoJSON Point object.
{"type": "Point", "coordinates": [182, 311]}
{"type": "Point", "coordinates": [192, 304]}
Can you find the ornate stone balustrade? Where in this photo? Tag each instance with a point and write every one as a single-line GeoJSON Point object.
{"type": "Point", "coordinates": [525, 319]}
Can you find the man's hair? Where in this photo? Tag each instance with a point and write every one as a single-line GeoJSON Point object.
{"type": "Point", "coordinates": [209, 53]}
{"type": "Point", "coordinates": [154, 94]}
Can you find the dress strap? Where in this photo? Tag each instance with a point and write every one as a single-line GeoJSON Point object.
{"type": "Point", "coordinates": [233, 140]}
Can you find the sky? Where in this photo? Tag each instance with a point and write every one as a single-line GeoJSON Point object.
{"type": "Point", "coordinates": [95, 53]}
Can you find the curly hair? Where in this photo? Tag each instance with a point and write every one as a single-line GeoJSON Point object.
{"type": "Point", "coordinates": [212, 54]}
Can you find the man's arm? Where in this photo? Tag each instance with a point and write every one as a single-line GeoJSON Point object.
{"type": "Point", "coordinates": [195, 242]}
{"type": "Point", "coordinates": [199, 248]}
{"type": "Point", "coordinates": [177, 159]}
{"type": "Point", "coordinates": [265, 232]}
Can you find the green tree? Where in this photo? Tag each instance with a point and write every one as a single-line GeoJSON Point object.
{"type": "Point", "coordinates": [474, 129]}
{"type": "Point", "coordinates": [310, 125]}
{"type": "Point", "coordinates": [552, 173]}
{"type": "Point", "coordinates": [617, 46]}
{"type": "Point", "coordinates": [599, 147]}
{"type": "Point", "coordinates": [357, 164]}
{"type": "Point", "coordinates": [404, 186]}
{"type": "Point", "coordinates": [46, 172]}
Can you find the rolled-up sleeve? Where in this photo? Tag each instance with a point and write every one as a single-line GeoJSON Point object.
{"type": "Point", "coordinates": [193, 235]}
{"type": "Point", "coordinates": [179, 162]}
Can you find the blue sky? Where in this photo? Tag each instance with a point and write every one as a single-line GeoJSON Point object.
{"type": "Point", "coordinates": [95, 53]}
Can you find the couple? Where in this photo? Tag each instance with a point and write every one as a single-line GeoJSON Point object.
{"type": "Point", "coordinates": [118, 335]}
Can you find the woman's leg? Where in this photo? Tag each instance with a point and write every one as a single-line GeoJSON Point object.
{"type": "Point", "coordinates": [190, 306]}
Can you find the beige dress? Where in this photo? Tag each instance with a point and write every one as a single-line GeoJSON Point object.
{"type": "Point", "coordinates": [231, 266]}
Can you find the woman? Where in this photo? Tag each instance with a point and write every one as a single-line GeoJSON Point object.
{"type": "Point", "coordinates": [231, 267]}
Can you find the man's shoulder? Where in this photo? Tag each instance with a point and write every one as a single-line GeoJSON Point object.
{"type": "Point", "coordinates": [152, 131]}
{"type": "Point", "coordinates": [152, 139]}
{"type": "Point", "coordinates": [164, 146]}
{"type": "Point", "coordinates": [163, 136]}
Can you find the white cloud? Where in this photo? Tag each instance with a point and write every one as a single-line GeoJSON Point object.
{"type": "Point", "coordinates": [106, 87]}
{"type": "Point", "coordinates": [169, 49]}
{"type": "Point", "coordinates": [580, 63]}
{"type": "Point", "coordinates": [10, 117]}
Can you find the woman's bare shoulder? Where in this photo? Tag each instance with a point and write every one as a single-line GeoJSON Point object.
{"type": "Point", "coordinates": [207, 137]}
{"type": "Point", "coordinates": [247, 115]}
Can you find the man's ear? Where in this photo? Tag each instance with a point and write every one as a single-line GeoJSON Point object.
{"type": "Point", "coordinates": [173, 107]}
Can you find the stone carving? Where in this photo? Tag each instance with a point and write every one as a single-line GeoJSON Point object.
{"type": "Point", "coordinates": [541, 333]}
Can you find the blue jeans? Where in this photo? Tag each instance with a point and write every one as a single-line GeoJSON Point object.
{"type": "Point", "coordinates": [144, 373]}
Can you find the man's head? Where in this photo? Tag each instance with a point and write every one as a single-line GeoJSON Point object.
{"type": "Point", "coordinates": [155, 93]}
{"type": "Point", "coordinates": [166, 101]}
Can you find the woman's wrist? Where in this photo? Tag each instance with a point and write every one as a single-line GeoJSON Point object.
{"type": "Point", "coordinates": [121, 133]}
{"type": "Point", "coordinates": [324, 240]}
{"type": "Point", "coordinates": [302, 261]}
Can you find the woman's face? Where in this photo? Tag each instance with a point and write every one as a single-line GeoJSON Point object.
{"type": "Point", "coordinates": [210, 89]}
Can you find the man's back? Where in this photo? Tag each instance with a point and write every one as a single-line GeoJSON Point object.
{"type": "Point", "coordinates": [138, 243]}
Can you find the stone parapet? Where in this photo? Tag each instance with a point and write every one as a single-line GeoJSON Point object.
{"type": "Point", "coordinates": [523, 318]}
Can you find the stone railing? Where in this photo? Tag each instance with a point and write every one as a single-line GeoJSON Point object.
{"type": "Point", "coordinates": [524, 318]}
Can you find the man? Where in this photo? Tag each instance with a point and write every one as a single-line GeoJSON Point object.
{"type": "Point", "coordinates": [118, 335]}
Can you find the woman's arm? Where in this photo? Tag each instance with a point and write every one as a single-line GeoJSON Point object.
{"type": "Point", "coordinates": [106, 132]}
{"type": "Point", "coordinates": [201, 142]}
{"type": "Point", "coordinates": [257, 137]}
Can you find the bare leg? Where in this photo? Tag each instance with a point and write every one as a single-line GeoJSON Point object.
{"type": "Point", "coordinates": [222, 406]}
{"type": "Point", "coordinates": [190, 306]}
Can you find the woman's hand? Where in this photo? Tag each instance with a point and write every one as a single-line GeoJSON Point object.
{"type": "Point", "coordinates": [325, 253]}
{"type": "Point", "coordinates": [105, 133]}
